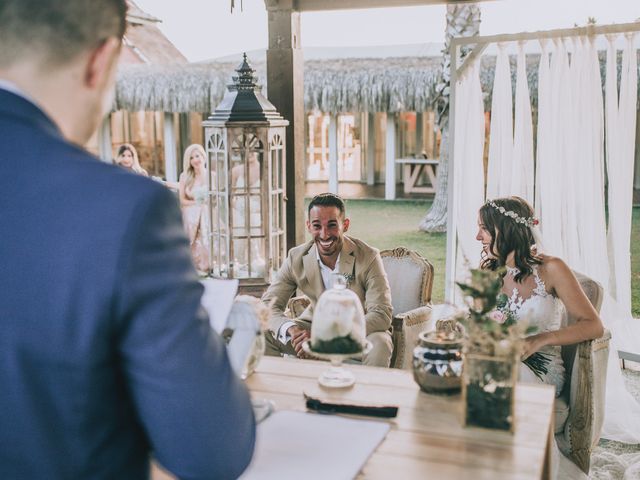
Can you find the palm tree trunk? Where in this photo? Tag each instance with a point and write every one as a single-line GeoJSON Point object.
{"type": "Point", "coordinates": [462, 21]}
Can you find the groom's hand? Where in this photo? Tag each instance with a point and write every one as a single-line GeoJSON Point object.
{"type": "Point", "coordinates": [298, 337]}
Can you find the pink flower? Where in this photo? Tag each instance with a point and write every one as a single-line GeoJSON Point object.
{"type": "Point", "coordinates": [497, 316]}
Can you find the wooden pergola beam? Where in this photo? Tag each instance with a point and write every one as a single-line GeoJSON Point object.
{"type": "Point", "coordinates": [326, 5]}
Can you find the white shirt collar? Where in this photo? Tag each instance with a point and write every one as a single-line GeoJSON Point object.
{"type": "Point", "coordinates": [325, 272]}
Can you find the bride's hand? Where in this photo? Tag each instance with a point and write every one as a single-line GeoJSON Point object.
{"type": "Point", "coordinates": [532, 344]}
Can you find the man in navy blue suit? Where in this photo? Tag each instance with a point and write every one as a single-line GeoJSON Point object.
{"type": "Point", "coordinates": [106, 356]}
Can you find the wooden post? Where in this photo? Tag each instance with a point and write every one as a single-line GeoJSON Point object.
{"type": "Point", "coordinates": [637, 154]}
{"type": "Point", "coordinates": [170, 161]}
{"type": "Point", "coordinates": [104, 140]}
{"type": "Point", "coordinates": [390, 159]}
{"type": "Point", "coordinates": [333, 154]}
{"type": "Point", "coordinates": [285, 89]}
{"type": "Point", "coordinates": [419, 133]}
{"type": "Point", "coordinates": [452, 244]}
{"type": "Point", "coordinates": [371, 148]}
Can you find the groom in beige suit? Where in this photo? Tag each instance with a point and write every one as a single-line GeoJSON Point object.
{"type": "Point", "coordinates": [309, 268]}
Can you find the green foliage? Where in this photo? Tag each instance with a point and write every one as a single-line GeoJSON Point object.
{"type": "Point", "coordinates": [344, 344]}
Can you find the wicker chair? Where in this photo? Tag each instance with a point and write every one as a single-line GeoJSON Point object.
{"type": "Point", "coordinates": [411, 280]}
{"type": "Point", "coordinates": [579, 411]}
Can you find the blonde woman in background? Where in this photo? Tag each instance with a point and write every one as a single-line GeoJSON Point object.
{"type": "Point", "coordinates": [192, 189]}
{"type": "Point", "coordinates": [128, 158]}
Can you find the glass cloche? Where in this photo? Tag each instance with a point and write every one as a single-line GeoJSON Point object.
{"type": "Point", "coordinates": [337, 332]}
{"type": "Point", "coordinates": [338, 321]}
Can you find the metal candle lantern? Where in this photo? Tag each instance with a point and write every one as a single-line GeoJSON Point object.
{"type": "Point", "coordinates": [245, 144]}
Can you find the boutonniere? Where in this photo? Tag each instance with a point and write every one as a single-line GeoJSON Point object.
{"type": "Point", "coordinates": [348, 278]}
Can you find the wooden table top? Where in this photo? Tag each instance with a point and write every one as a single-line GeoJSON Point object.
{"type": "Point", "coordinates": [427, 437]}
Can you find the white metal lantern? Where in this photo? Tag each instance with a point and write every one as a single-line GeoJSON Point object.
{"type": "Point", "coordinates": [245, 144]}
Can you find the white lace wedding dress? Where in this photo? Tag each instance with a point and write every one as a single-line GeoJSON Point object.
{"type": "Point", "coordinates": [530, 302]}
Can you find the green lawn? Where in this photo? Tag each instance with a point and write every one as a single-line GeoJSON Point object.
{"type": "Point", "coordinates": [385, 224]}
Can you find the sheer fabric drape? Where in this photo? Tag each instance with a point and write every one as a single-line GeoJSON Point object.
{"type": "Point", "coordinates": [501, 133]}
{"type": "Point", "coordinates": [468, 166]}
{"type": "Point", "coordinates": [522, 167]}
{"type": "Point", "coordinates": [621, 129]}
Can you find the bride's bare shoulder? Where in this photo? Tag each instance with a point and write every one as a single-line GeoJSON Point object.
{"type": "Point", "coordinates": [553, 266]}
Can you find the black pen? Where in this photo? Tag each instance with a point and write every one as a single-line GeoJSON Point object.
{"type": "Point", "coordinates": [373, 411]}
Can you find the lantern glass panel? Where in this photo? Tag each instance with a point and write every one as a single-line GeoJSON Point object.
{"type": "Point", "coordinates": [217, 212]}
{"type": "Point", "coordinates": [276, 167]}
{"type": "Point", "coordinates": [246, 215]}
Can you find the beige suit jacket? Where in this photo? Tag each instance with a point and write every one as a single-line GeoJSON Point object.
{"type": "Point", "coordinates": [358, 261]}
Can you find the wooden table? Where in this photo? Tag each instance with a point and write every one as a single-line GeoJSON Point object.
{"type": "Point", "coordinates": [426, 439]}
{"type": "Point", "coordinates": [413, 168]}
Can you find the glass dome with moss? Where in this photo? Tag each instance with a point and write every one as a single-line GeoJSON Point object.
{"type": "Point", "coordinates": [338, 321]}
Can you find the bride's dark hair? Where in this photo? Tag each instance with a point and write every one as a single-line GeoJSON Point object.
{"type": "Point", "coordinates": [508, 235]}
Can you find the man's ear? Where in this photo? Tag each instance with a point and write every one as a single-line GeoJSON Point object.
{"type": "Point", "coordinates": [101, 62]}
{"type": "Point", "coordinates": [345, 225]}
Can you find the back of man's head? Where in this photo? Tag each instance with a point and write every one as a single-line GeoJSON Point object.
{"type": "Point", "coordinates": [327, 200]}
{"type": "Point", "coordinates": [57, 31]}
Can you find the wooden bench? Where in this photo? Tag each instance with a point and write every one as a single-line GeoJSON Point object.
{"type": "Point", "coordinates": [413, 168]}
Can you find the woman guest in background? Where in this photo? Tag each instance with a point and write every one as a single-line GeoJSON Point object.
{"type": "Point", "coordinates": [538, 286]}
{"type": "Point", "coordinates": [128, 158]}
{"type": "Point", "coordinates": [192, 189]}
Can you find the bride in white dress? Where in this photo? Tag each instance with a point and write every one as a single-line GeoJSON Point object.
{"type": "Point", "coordinates": [539, 287]}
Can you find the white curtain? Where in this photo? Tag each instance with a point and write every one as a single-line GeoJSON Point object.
{"type": "Point", "coordinates": [522, 167]}
{"type": "Point", "coordinates": [468, 168]}
{"type": "Point", "coordinates": [501, 133]}
{"type": "Point", "coordinates": [588, 161]}
{"type": "Point", "coordinates": [621, 129]}
{"type": "Point", "coordinates": [548, 166]}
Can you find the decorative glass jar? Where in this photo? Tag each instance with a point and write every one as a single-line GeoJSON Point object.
{"type": "Point", "coordinates": [338, 321]}
{"type": "Point", "coordinates": [437, 362]}
{"type": "Point", "coordinates": [337, 333]}
{"type": "Point", "coordinates": [488, 390]}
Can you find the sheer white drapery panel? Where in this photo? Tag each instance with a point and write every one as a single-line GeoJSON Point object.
{"type": "Point", "coordinates": [621, 129]}
{"type": "Point", "coordinates": [501, 133]}
{"type": "Point", "coordinates": [588, 161]}
{"type": "Point", "coordinates": [522, 169]}
{"type": "Point", "coordinates": [546, 188]}
{"type": "Point", "coordinates": [468, 169]}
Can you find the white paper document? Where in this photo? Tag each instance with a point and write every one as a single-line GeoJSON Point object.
{"type": "Point", "coordinates": [298, 445]}
{"type": "Point", "coordinates": [217, 300]}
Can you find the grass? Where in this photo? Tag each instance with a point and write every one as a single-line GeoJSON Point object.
{"type": "Point", "coordinates": [385, 224]}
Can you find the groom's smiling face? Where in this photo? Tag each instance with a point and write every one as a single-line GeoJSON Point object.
{"type": "Point", "coordinates": [327, 227]}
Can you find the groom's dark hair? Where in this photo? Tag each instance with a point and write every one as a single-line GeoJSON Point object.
{"type": "Point", "coordinates": [509, 235]}
{"type": "Point", "coordinates": [327, 200]}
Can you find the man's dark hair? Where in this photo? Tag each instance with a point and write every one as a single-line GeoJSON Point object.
{"type": "Point", "coordinates": [327, 200]}
{"type": "Point", "coordinates": [57, 30]}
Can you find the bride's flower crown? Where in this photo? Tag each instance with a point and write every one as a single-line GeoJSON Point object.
{"type": "Point", "coordinates": [528, 221]}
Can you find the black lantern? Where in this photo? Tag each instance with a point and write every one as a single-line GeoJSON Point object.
{"type": "Point", "coordinates": [245, 144]}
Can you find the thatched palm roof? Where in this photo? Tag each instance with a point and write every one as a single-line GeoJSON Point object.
{"type": "Point", "coordinates": [331, 86]}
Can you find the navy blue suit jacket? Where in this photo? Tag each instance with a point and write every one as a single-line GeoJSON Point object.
{"type": "Point", "coordinates": [106, 356]}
